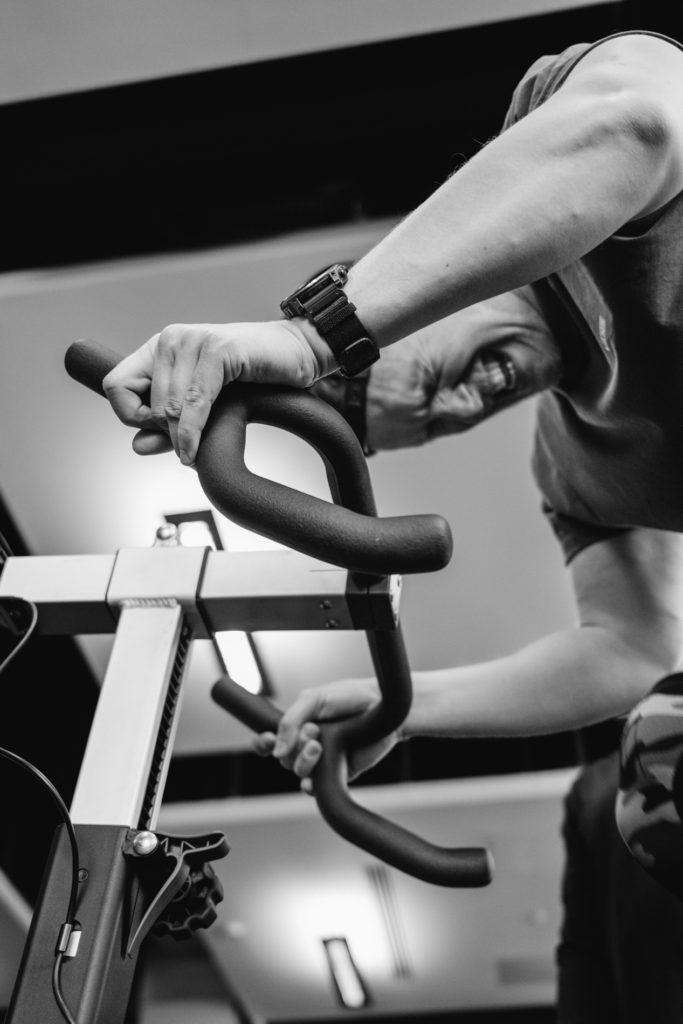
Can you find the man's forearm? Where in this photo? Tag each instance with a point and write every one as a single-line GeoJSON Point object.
{"type": "Point", "coordinates": [564, 681]}
{"type": "Point", "coordinates": [540, 196]}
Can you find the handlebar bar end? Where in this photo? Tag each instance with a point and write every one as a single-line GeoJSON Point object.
{"type": "Point", "coordinates": [88, 362]}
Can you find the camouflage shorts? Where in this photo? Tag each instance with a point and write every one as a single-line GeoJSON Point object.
{"type": "Point", "coordinates": [649, 809]}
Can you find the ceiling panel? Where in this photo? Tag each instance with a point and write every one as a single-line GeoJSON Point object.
{"type": "Point", "coordinates": [48, 48]}
{"type": "Point", "coordinates": [290, 882]}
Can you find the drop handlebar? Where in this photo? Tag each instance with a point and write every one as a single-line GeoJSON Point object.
{"type": "Point", "coordinates": [347, 533]}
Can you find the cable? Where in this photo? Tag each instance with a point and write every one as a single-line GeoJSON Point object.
{"type": "Point", "coordinates": [68, 926]}
{"type": "Point", "coordinates": [57, 989]}
{"type": "Point", "coordinates": [64, 814]}
{"type": "Point", "coordinates": [25, 638]}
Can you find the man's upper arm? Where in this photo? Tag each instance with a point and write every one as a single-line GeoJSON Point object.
{"type": "Point", "coordinates": [632, 585]}
{"type": "Point", "coordinates": [641, 76]}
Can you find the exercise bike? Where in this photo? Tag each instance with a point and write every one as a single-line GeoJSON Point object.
{"type": "Point", "coordinates": [112, 878]}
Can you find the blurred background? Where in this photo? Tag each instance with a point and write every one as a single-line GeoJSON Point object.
{"type": "Point", "coordinates": [188, 162]}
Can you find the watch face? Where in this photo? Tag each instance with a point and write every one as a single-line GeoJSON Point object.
{"type": "Point", "coordinates": [336, 274]}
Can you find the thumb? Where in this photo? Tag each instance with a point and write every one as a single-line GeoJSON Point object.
{"type": "Point", "coordinates": [151, 442]}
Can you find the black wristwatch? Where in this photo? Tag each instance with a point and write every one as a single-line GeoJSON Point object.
{"type": "Point", "coordinates": [323, 301]}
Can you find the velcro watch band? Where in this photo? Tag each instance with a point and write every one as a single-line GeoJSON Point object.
{"type": "Point", "coordinates": [355, 408]}
{"type": "Point", "coordinates": [323, 302]}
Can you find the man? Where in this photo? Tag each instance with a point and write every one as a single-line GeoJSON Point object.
{"type": "Point", "coordinates": [550, 262]}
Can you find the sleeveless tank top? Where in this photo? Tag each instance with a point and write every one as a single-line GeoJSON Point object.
{"type": "Point", "coordinates": [608, 448]}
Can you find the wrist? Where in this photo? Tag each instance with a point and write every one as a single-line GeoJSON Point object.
{"type": "Point", "coordinates": [323, 302]}
{"type": "Point", "coordinates": [422, 716]}
{"type": "Point", "coordinates": [406, 730]}
{"type": "Point", "coordinates": [323, 356]}
{"type": "Point", "coordinates": [384, 299]}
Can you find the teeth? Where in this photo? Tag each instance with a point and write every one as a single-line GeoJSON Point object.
{"type": "Point", "coordinates": [492, 374]}
{"type": "Point", "coordinates": [495, 378]}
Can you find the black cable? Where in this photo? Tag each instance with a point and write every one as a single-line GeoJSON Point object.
{"type": "Point", "coordinates": [25, 638]}
{"type": "Point", "coordinates": [68, 926]}
{"type": "Point", "coordinates": [64, 814]}
{"type": "Point", "coordinates": [57, 989]}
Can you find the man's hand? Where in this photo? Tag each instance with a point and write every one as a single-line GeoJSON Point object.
{"type": "Point", "coordinates": [167, 387]}
{"type": "Point", "coordinates": [297, 743]}
{"type": "Point", "coordinates": [452, 375]}
{"type": "Point", "coordinates": [442, 380]}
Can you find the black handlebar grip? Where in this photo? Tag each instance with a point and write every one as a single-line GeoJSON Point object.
{"type": "Point", "coordinates": [89, 362]}
{"type": "Point", "coordinates": [456, 867]}
{"type": "Point", "coordinates": [348, 533]}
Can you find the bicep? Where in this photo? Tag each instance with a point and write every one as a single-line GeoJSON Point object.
{"type": "Point", "coordinates": [632, 586]}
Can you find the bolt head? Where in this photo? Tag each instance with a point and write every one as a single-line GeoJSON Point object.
{"type": "Point", "coordinates": [145, 843]}
{"type": "Point", "coordinates": [167, 534]}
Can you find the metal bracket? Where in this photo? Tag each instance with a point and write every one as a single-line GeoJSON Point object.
{"type": "Point", "coordinates": [174, 870]}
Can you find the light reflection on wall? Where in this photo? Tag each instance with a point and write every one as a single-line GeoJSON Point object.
{"type": "Point", "coordinates": [303, 911]}
{"type": "Point", "coordinates": [270, 453]}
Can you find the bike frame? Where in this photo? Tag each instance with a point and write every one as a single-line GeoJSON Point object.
{"type": "Point", "coordinates": [342, 575]}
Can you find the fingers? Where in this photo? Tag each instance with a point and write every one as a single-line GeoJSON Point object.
{"type": "Point", "coordinates": [302, 756]}
{"type": "Point", "coordinates": [327, 703]}
{"type": "Point", "coordinates": [294, 724]}
{"type": "Point", "coordinates": [127, 386]}
{"type": "Point", "coordinates": [308, 758]}
{"type": "Point", "coordinates": [301, 749]}
{"type": "Point", "coordinates": [297, 743]}
{"type": "Point", "coordinates": [164, 411]}
{"type": "Point", "coordinates": [151, 442]}
{"type": "Point", "coordinates": [169, 385]}
{"type": "Point", "coordinates": [171, 382]}
{"type": "Point", "coordinates": [202, 390]}
{"type": "Point", "coordinates": [263, 743]}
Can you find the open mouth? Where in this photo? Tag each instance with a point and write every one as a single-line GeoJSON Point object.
{"type": "Point", "coordinates": [491, 374]}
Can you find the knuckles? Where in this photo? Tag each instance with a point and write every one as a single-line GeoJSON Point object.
{"type": "Point", "coordinates": [172, 408]}
{"type": "Point", "coordinates": [194, 395]}
{"type": "Point", "coordinates": [171, 338]}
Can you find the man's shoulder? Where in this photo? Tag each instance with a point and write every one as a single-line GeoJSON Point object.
{"type": "Point", "coordinates": [641, 52]}
{"type": "Point", "coordinates": [541, 80]}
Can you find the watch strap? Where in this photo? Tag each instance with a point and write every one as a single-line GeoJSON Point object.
{"type": "Point", "coordinates": [338, 324]}
{"type": "Point", "coordinates": [334, 316]}
{"type": "Point", "coordinates": [355, 408]}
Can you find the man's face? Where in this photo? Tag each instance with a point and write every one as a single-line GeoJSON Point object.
{"type": "Point", "coordinates": [456, 373]}
{"type": "Point", "coordinates": [500, 352]}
